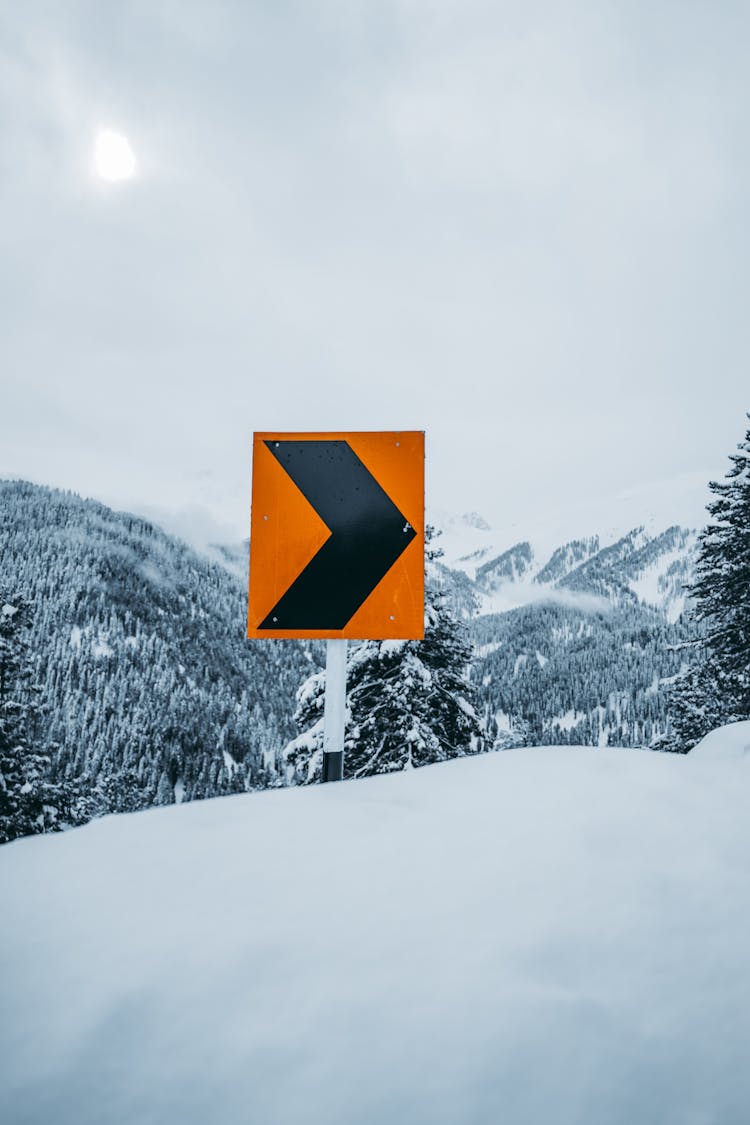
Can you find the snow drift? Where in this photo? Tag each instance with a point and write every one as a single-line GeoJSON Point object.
{"type": "Point", "coordinates": [728, 742]}
{"type": "Point", "coordinates": [557, 935]}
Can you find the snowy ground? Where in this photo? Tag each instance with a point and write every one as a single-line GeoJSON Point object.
{"type": "Point", "coordinates": [556, 936]}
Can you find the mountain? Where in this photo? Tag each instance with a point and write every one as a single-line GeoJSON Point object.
{"type": "Point", "coordinates": [578, 644]}
{"type": "Point", "coordinates": [649, 565]}
{"type": "Point", "coordinates": [575, 643]}
{"type": "Point", "coordinates": [151, 692]}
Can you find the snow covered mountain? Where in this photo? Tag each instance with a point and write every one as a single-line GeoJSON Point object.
{"type": "Point", "coordinates": [575, 644]}
{"type": "Point", "coordinates": [649, 566]}
{"type": "Point", "coordinates": [152, 692]}
{"type": "Point", "coordinates": [531, 937]}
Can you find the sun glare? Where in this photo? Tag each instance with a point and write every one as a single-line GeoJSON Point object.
{"type": "Point", "coordinates": [114, 159]}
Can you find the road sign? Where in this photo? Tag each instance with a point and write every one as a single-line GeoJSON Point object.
{"type": "Point", "coordinates": [337, 535]}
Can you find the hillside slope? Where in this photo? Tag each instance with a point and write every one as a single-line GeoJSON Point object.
{"type": "Point", "coordinates": [577, 645]}
{"type": "Point", "coordinates": [151, 690]}
{"type": "Point", "coordinates": [531, 937]}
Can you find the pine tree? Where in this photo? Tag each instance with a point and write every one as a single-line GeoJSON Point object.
{"type": "Point", "coordinates": [164, 791]}
{"type": "Point", "coordinates": [409, 703]}
{"type": "Point", "coordinates": [28, 801]}
{"type": "Point", "coordinates": [697, 706]}
{"type": "Point", "coordinates": [716, 688]}
{"type": "Point", "coordinates": [120, 792]}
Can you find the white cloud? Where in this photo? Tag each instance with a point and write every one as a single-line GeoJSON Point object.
{"type": "Point", "coordinates": [520, 228]}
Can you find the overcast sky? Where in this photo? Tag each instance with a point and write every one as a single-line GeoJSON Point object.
{"type": "Point", "coordinates": [521, 227]}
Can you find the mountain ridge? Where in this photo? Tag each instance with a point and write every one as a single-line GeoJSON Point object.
{"type": "Point", "coordinates": [578, 644]}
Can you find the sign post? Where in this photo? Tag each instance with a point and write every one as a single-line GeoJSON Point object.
{"type": "Point", "coordinates": [334, 712]}
{"type": "Point", "coordinates": [337, 549]}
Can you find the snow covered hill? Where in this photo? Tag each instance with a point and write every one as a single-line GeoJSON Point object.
{"type": "Point", "coordinates": [151, 688]}
{"type": "Point", "coordinates": [728, 742]}
{"type": "Point", "coordinates": [528, 937]}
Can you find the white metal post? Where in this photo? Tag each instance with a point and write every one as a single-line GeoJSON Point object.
{"type": "Point", "coordinates": [334, 715]}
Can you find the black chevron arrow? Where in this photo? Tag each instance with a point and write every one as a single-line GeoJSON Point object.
{"type": "Point", "coordinates": [368, 533]}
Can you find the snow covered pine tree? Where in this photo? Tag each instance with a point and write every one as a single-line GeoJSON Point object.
{"type": "Point", "coordinates": [409, 703]}
{"type": "Point", "coordinates": [27, 799]}
{"type": "Point", "coordinates": [716, 689]}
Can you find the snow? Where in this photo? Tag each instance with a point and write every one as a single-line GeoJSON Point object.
{"type": "Point", "coordinates": [568, 720]}
{"type": "Point", "coordinates": [503, 721]}
{"type": "Point", "coordinates": [469, 540]}
{"type": "Point", "coordinates": [552, 935]}
{"type": "Point", "coordinates": [8, 610]}
{"type": "Point", "coordinates": [728, 742]}
{"type": "Point", "coordinates": [309, 742]}
{"type": "Point", "coordinates": [310, 687]}
{"type": "Point", "coordinates": [101, 646]}
{"type": "Point", "coordinates": [653, 585]}
{"type": "Point", "coordinates": [466, 707]}
{"type": "Point", "coordinates": [466, 540]}
{"type": "Point", "coordinates": [663, 681]}
{"type": "Point", "coordinates": [391, 648]}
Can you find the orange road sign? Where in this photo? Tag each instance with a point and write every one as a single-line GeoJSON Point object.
{"type": "Point", "coordinates": [337, 536]}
